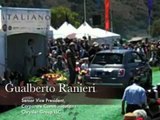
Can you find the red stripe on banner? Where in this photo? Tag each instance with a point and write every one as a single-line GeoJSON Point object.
{"type": "Point", "coordinates": [107, 15]}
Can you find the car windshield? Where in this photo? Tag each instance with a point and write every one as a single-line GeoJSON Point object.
{"type": "Point", "coordinates": [108, 58]}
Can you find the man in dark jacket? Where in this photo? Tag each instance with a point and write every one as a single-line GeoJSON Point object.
{"type": "Point", "coordinates": [71, 62]}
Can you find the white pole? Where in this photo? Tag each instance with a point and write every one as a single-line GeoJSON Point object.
{"type": "Point", "coordinates": [84, 10]}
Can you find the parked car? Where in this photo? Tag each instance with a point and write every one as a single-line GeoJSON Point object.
{"type": "Point", "coordinates": [117, 68]}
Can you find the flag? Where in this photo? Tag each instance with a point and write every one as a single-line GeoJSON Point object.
{"type": "Point", "coordinates": [150, 4]}
{"type": "Point", "coordinates": [107, 14]}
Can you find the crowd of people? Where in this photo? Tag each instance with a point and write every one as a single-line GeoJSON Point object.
{"type": "Point", "coordinates": [65, 53]}
{"type": "Point", "coordinates": [70, 54]}
{"type": "Point", "coordinates": [150, 50]}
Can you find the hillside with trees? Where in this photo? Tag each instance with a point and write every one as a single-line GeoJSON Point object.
{"type": "Point", "coordinates": [129, 17]}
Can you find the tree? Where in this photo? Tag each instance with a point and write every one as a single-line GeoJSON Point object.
{"type": "Point", "coordinates": [155, 28]}
{"type": "Point", "coordinates": [61, 14]}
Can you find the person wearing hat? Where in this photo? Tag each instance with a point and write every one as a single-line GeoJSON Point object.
{"type": "Point", "coordinates": [84, 65]}
{"type": "Point", "coordinates": [59, 64]}
{"type": "Point", "coordinates": [71, 62]}
{"type": "Point", "coordinates": [134, 96]}
{"type": "Point", "coordinates": [93, 50]}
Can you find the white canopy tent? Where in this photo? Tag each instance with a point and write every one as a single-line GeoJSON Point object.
{"type": "Point", "coordinates": [64, 30]}
{"type": "Point", "coordinates": [85, 30]}
{"type": "Point", "coordinates": [100, 33]}
{"type": "Point", "coordinates": [136, 39]}
{"type": "Point", "coordinates": [52, 29]}
{"type": "Point", "coordinates": [105, 37]}
{"type": "Point", "coordinates": [95, 33]}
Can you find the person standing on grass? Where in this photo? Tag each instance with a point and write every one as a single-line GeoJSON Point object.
{"type": "Point", "coordinates": [135, 97]}
{"type": "Point", "coordinates": [71, 62]}
{"type": "Point", "coordinates": [29, 58]}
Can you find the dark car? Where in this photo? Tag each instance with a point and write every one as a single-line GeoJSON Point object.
{"type": "Point", "coordinates": [117, 68]}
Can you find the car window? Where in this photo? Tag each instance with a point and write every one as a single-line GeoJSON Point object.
{"type": "Point", "coordinates": [134, 58]}
{"type": "Point", "coordinates": [108, 58]}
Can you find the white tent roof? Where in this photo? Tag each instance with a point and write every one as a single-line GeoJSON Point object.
{"type": "Point", "coordinates": [66, 26]}
{"type": "Point", "coordinates": [85, 30]}
{"type": "Point", "coordinates": [52, 29]}
{"type": "Point", "coordinates": [100, 33]}
{"type": "Point", "coordinates": [136, 39]}
{"type": "Point", "coordinates": [64, 30]}
{"type": "Point", "coordinates": [105, 37]}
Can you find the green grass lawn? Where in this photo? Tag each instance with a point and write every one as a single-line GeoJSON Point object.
{"type": "Point", "coordinates": [155, 69]}
{"type": "Point", "coordinates": [79, 112]}
{"type": "Point", "coordinates": [156, 76]}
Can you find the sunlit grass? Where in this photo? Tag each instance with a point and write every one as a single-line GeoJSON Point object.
{"type": "Point", "coordinates": [154, 69]}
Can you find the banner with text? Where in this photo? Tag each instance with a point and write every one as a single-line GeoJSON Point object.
{"type": "Point", "coordinates": [25, 20]}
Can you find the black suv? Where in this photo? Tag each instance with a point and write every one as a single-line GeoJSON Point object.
{"type": "Point", "coordinates": [117, 68]}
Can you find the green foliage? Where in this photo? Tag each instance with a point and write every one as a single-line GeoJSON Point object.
{"type": "Point", "coordinates": [35, 79]}
{"type": "Point", "coordinates": [63, 73]}
{"type": "Point", "coordinates": [61, 14]}
{"type": "Point", "coordinates": [155, 28]}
